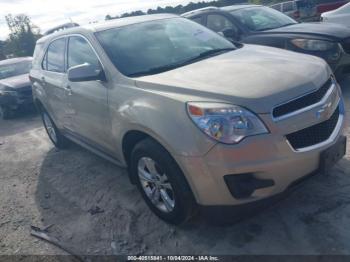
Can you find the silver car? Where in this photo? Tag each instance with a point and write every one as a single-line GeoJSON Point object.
{"type": "Point", "coordinates": [198, 121]}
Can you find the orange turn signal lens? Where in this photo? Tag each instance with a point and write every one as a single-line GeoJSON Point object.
{"type": "Point", "coordinates": [195, 111]}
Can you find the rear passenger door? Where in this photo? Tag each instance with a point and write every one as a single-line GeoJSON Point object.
{"type": "Point", "coordinates": [87, 100]}
{"type": "Point", "coordinates": [52, 79]}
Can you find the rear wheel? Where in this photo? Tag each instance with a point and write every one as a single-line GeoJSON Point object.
{"type": "Point", "coordinates": [162, 183]}
{"type": "Point", "coordinates": [6, 112]}
{"type": "Point", "coordinates": [54, 134]}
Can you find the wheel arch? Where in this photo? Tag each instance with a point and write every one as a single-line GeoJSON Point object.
{"type": "Point", "coordinates": [131, 138]}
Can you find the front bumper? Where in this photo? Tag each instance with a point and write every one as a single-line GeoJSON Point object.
{"type": "Point", "coordinates": [15, 100]}
{"type": "Point", "coordinates": [268, 157]}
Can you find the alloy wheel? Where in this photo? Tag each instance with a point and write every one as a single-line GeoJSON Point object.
{"type": "Point", "coordinates": [156, 185]}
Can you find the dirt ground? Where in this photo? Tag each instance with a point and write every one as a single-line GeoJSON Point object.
{"type": "Point", "coordinates": [95, 210]}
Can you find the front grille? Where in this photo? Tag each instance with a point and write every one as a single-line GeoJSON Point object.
{"type": "Point", "coordinates": [302, 102]}
{"type": "Point", "coordinates": [315, 134]}
{"type": "Point", "coordinates": [346, 46]}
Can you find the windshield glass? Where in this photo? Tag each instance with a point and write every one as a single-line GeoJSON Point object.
{"type": "Point", "coordinates": [15, 69]}
{"type": "Point", "coordinates": [262, 18]}
{"type": "Point", "coordinates": [161, 45]}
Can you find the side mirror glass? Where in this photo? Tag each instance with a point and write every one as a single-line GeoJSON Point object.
{"type": "Point", "coordinates": [86, 72]}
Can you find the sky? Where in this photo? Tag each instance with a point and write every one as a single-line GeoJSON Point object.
{"type": "Point", "coordinates": [49, 13]}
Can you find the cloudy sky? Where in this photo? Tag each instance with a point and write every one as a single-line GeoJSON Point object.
{"type": "Point", "coordinates": [50, 13]}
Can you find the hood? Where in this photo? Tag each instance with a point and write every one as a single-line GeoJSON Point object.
{"type": "Point", "coordinates": [255, 77]}
{"type": "Point", "coordinates": [334, 31]}
{"type": "Point", "coordinates": [16, 81]}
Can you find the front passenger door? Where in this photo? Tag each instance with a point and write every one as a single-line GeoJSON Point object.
{"type": "Point", "coordinates": [87, 100]}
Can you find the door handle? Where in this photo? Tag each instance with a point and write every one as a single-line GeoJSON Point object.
{"type": "Point", "coordinates": [68, 90]}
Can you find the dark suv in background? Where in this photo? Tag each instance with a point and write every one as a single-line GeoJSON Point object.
{"type": "Point", "coordinates": [262, 25]}
{"type": "Point", "coordinates": [15, 86]}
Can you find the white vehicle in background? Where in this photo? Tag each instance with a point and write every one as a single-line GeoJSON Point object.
{"type": "Point", "coordinates": [339, 16]}
{"type": "Point", "coordinates": [300, 10]}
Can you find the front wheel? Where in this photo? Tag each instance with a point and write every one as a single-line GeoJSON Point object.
{"type": "Point", "coordinates": [54, 134]}
{"type": "Point", "coordinates": [162, 183]}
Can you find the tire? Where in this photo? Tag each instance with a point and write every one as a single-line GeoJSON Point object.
{"type": "Point", "coordinates": [174, 202]}
{"type": "Point", "coordinates": [54, 134]}
{"type": "Point", "coordinates": [6, 113]}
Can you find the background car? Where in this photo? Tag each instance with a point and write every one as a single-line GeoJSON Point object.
{"type": "Point", "coordinates": [15, 86]}
{"type": "Point", "coordinates": [262, 25]}
{"type": "Point", "coordinates": [330, 6]}
{"type": "Point", "coordinates": [338, 16]}
{"type": "Point", "coordinates": [297, 9]}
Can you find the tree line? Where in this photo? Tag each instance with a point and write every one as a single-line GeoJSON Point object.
{"type": "Point", "coordinates": [22, 38]}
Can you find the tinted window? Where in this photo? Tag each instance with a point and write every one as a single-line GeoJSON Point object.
{"type": "Point", "coordinates": [80, 52]}
{"type": "Point", "coordinates": [197, 19]}
{"type": "Point", "coordinates": [262, 18]}
{"type": "Point", "coordinates": [219, 23]}
{"type": "Point", "coordinates": [150, 47]}
{"type": "Point", "coordinates": [55, 56]}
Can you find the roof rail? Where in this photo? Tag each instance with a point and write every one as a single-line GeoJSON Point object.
{"type": "Point", "coordinates": [61, 27]}
{"type": "Point", "coordinates": [200, 10]}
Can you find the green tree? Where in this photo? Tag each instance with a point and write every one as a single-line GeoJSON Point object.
{"type": "Point", "coordinates": [23, 35]}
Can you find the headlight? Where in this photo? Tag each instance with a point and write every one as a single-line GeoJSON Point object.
{"type": "Point", "coordinates": [225, 123]}
{"type": "Point", "coordinates": [314, 45]}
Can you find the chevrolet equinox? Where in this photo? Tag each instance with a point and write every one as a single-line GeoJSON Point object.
{"type": "Point", "coordinates": [199, 121]}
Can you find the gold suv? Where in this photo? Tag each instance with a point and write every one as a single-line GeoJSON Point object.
{"type": "Point", "coordinates": [198, 120]}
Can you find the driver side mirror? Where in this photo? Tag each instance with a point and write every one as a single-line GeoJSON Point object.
{"type": "Point", "coordinates": [86, 72]}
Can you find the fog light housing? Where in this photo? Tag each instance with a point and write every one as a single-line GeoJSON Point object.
{"type": "Point", "coordinates": [244, 185]}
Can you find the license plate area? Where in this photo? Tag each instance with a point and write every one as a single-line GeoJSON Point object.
{"type": "Point", "coordinates": [332, 155]}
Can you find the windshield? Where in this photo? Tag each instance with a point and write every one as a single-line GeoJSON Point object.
{"type": "Point", "coordinates": [15, 69]}
{"type": "Point", "coordinates": [161, 45]}
{"type": "Point", "coordinates": [262, 18]}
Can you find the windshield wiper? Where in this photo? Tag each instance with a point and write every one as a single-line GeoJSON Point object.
{"type": "Point", "coordinates": [161, 69]}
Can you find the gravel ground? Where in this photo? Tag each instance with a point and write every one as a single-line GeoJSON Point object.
{"type": "Point", "coordinates": [95, 210]}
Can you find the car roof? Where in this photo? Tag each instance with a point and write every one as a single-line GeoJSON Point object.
{"type": "Point", "coordinates": [226, 8]}
{"type": "Point", "coordinates": [15, 60]}
{"type": "Point", "coordinates": [237, 7]}
{"type": "Point", "coordinates": [105, 25]}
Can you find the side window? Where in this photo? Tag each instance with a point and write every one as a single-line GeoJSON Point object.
{"type": "Point", "coordinates": [80, 52]}
{"type": "Point", "coordinates": [219, 23]}
{"type": "Point", "coordinates": [55, 56]}
{"type": "Point", "coordinates": [197, 19]}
